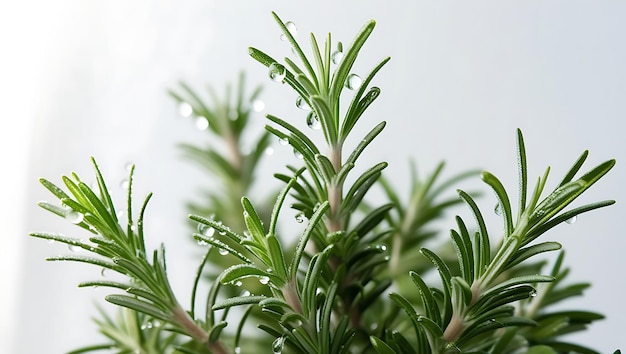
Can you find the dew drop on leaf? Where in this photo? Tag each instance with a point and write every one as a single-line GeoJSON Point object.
{"type": "Point", "coordinates": [258, 105]}
{"type": "Point", "coordinates": [572, 219]}
{"type": "Point", "coordinates": [206, 230]}
{"type": "Point", "coordinates": [185, 109]}
{"type": "Point", "coordinates": [291, 27]}
{"type": "Point", "coordinates": [202, 242]}
{"type": "Point", "coordinates": [269, 151]}
{"type": "Point", "coordinates": [297, 154]}
{"type": "Point", "coordinates": [73, 248]}
{"type": "Point", "coordinates": [300, 218]}
{"type": "Point", "coordinates": [124, 184]}
{"type": "Point", "coordinates": [264, 280]}
{"type": "Point", "coordinates": [283, 141]}
{"type": "Point", "coordinates": [498, 209]}
{"type": "Point", "coordinates": [278, 345]}
{"type": "Point", "coordinates": [238, 283]}
{"type": "Point", "coordinates": [336, 57]}
{"type": "Point", "coordinates": [353, 81]}
{"type": "Point", "coordinates": [202, 123]}
{"type": "Point", "coordinates": [533, 293]}
{"type": "Point", "coordinates": [237, 350]}
{"type": "Point", "coordinates": [74, 217]}
{"type": "Point", "coordinates": [222, 252]}
{"type": "Point", "coordinates": [313, 121]}
{"type": "Point", "coordinates": [277, 72]}
{"type": "Point", "coordinates": [302, 104]}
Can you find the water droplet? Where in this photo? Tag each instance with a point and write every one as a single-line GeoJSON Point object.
{"type": "Point", "coordinates": [222, 252]}
{"type": "Point", "coordinates": [298, 154]}
{"type": "Point", "coordinates": [353, 81]}
{"type": "Point", "coordinates": [296, 323]}
{"type": "Point", "coordinates": [533, 293]}
{"type": "Point", "coordinates": [233, 114]}
{"type": "Point", "coordinates": [73, 248]}
{"type": "Point", "coordinates": [206, 230]}
{"type": "Point", "coordinates": [103, 272]}
{"type": "Point", "coordinates": [237, 350]}
{"type": "Point", "coordinates": [264, 280]}
{"type": "Point", "coordinates": [51, 241]}
{"type": "Point", "coordinates": [498, 209]}
{"type": "Point", "coordinates": [247, 234]}
{"type": "Point", "coordinates": [202, 123]}
{"type": "Point", "coordinates": [238, 283]}
{"type": "Point", "coordinates": [302, 104]}
{"type": "Point", "coordinates": [313, 121]}
{"type": "Point", "coordinates": [572, 219]}
{"type": "Point", "coordinates": [245, 293]}
{"type": "Point", "coordinates": [336, 57]}
{"type": "Point", "coordinates": [278, 345]}
{"type": "Point", "coordinates": [185, 109]}
{"type": "Point", "coordinates": [319, 291]}
{"type": "Point", "coordinates": [128, 166]}
{"type": "Point", "coordinates": [202, 242]}
{"type": "Point", "coordinates": [382, 247]}
{"type": "Point", "coordinates": [146, 325]}
{"type": "Point", "coordinates": [300, 218]}
{"type": "Point", "coordinates": [269, 151]}
{"type": "Point", "coordinates": [258, 105]}
{"type": "Point", "coordinates": [74, 217]}
{"type": "Point", "coordinates": [283, 141]}
{"type": "Point", "coordinates": [124, 184]}
{"type": "Point", "coordinates": [277, 72]}
{"type": "Point", "coordinates": [373, 326]}
{"type": "Point", "coordinates": [291, 27]}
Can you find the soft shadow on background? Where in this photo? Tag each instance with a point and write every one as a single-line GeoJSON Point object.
{"type": "Point", "coordinates": [88, 78]}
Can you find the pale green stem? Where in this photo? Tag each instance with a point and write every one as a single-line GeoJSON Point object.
{"type": "Point", "coordinates": [335, 192]}
{"type": "Point", "coordinates": [182, 318]}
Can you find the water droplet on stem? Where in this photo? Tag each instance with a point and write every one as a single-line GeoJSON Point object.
{"type": "Point", "coordinates": [572, 219]}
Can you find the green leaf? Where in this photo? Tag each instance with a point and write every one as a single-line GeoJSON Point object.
{"type": "Point", "coordinates": [139, 305]}
{"type": "Point", "coordinates": [380, 346]}
{"type": "Point", "coordinates": [238, 301]}
{"type": "Point", "coordinates": [240, 271]}
{"type": "Point", "coordinates": [304, 239]}
{"type": "Point", "coordinates": [503, 201]}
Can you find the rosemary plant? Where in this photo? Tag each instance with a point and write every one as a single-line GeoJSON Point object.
{"type": "Point", "coordinates": [341, 288]}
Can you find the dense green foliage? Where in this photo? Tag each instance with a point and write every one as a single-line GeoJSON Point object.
{"type": "Point", "coordinates": [353, 280]}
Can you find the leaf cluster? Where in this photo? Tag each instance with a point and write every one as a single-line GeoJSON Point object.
{"type": "Point", "coordinates": [341, 287]}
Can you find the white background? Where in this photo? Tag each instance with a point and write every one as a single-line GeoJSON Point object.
{"type": "Point", "coordinates": [88, 78]}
